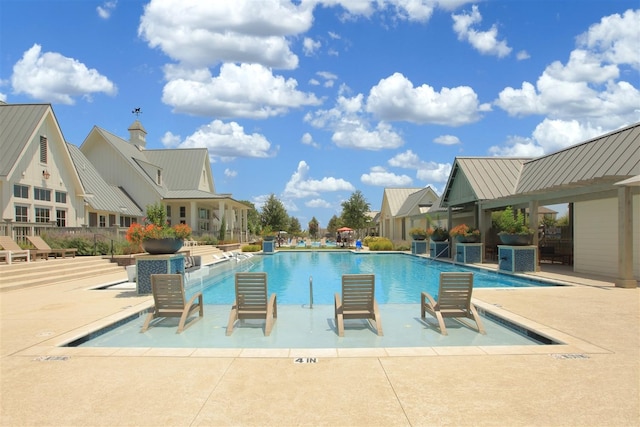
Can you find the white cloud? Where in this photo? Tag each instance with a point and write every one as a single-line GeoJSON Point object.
{"type": "Point", "coordinates": [230, 173]}
{"type": "Point", "coordinates": [522, 55]}
{"type": "Point", "coordinates": [300, 185]}
{"type": "Point", "coordinates": [245, 90]}
{"type": "Point", "coordinates": [52, 77]}
{"type": "Point", "coordinates": [615, 38]}
{"type": "Point", "coordinates": [318, 203]}
{"type": "Point", "coordinates": [329, 78]}
{"type": "Point", "coordinates": [351, 127]}
{"type": "Point", "coordinates": [3, 97]}
{"type": "Point", "coordinates": [106, 9]}
{"type": "Point", "coordinates": [395, 98]}
{"type": "Point", "coordinates": [310, 46]}
{"type": "Point", "coordinates": [380, 177]}
{"type": "Point", "coordinates": [204, 33]}
{"type": "Point", "coordinates": [307, 139]}
{"type": "Point", "coordinates": [170, 140]}
{"type": "Point", "coordinates": [447, 140]}
{"type": "Point", "coordinates": [425, 171]}
{"type": "Point", "coordinates": [587, 88]}
{"type": "Point", "coordinates": [227, 141]}
{"type": "Point", "coordinates": [554, 135]}
{"type": "Point", "coordinates": [517, 147]}
{"type": "Point", "coordinates": [485, 42]}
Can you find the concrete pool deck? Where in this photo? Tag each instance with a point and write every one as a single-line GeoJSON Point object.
{"type": "Point", "coordinates": [592, 381]}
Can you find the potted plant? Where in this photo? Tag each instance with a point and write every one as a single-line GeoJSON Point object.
{"type": "Point", "coordinates": [268, 234]}
{"type": "Point", "coordinates": [513, 230]}
{"type": "Point", "coordinates": [437, 233]}
{"type": "Point", "coordinates": [418, 233]}
{"type": "Point", "coordinates": [465, 234]}
{"type": "Point", "coordinates": [156, 236]}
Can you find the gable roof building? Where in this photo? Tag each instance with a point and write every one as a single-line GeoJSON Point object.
{"type": "Point", "coordinates": [595, 178]}
{"type": "Point", "coordinates": [106, 182]}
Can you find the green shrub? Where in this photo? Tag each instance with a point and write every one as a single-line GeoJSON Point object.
{"type": "Point", "coordinates": [251, 248]}
{"type": "Point", "coordinates": [208, 239]}
{"type": "Point", "coordinates": [380, 244]}
{"type": "Point", "coordinates": [402, 248]}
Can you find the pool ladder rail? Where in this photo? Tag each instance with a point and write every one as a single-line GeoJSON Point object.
{"type": "Point", "coordinates": [310, 292]}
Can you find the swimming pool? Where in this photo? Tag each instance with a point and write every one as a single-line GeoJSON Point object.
{"type": "Point", "coordinates": [400, 278]}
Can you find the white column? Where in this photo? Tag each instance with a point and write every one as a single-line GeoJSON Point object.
{"type": "Point", "coordinates": [625, 243]}
{"type": "Point", "coordinates": [193, 216]}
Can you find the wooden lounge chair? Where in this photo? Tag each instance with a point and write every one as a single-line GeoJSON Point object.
{"type": "Point", "coordinates": [454, 300]}
{"type": "Point", "coordinates": [39, 243]}
{"type": "Point", "coordinates": [11, 250]}
{"type": "Point", "coordinates": [168, 295]}
{"type": "Point", "coordinates": [358, 301]}
{"type": "Point", "coordinates": [251, 301]}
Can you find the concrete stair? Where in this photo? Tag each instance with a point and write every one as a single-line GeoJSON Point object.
{"type": "Point", "coordinates": [48, 272]}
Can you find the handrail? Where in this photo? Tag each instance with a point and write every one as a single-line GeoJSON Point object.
{"type": "Point", "coordinates": [310, 292]}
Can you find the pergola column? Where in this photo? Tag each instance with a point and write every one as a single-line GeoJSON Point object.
{"type": "Point", "coordinates": [625, 243]}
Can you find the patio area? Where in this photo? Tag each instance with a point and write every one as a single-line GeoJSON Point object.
{"type": "Point", "coordinates": [593, 382]}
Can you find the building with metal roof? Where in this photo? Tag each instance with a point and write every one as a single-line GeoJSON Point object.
{"type": "Point", "coordinates": [596, 178]}
{"type": "Point", "coordinates": [106, 182]}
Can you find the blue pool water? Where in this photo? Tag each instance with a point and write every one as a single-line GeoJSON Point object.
{"type": "Point", "coordinates": [400, 278]}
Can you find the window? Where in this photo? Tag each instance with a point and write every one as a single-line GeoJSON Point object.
{"type": "Point", "coordinates": [168, 211]}
{"type": "Point", "coordinates": [112, 220]}
{"type": "Point", "coordinates": [126, 221]}
{"type": "Point", "coordinates": [159, 177]}
{"type": "Point", "coordinates": [42, 194]}
{"type": "Point", "coordinates": [61, 218]}
{"type": "Point", "coordinates": [203, 223]}
{"type": "Point", "coordinates": [183, 211]}
{"type": "Point", "coordinates": [61, 197]}
{"type": "Point", "coordinates": [42, 214]}
{"type": "Point", "coordinates": [22, 214]}
{"type": "Point", "coordinates": [21, 191]}
{"type": "Point", "coordinates": [43, 149]}
{"type": "Point", "coordinates": [103, 221]}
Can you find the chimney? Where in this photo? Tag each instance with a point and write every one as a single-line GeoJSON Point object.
{"type": "Point", "coordinates": [137, 135]}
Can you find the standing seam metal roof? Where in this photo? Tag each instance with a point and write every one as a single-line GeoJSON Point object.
{"type": "Point", "coordinates": [17, 124]}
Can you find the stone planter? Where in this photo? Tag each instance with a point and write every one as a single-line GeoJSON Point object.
{"type": "Point", "coordinates": [418, 237]}
{"type": "Point", "coordinates": [269, 238]}
{"type": "Point", "coordinates": [515, 239]}
{"type": "Point", "coordinates": [162, 246]}
{"type": "Point", "coordinates": [468, 239]}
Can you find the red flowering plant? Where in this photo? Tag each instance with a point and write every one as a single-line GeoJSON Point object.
{"type": "Point", "coordinates": [156, 227]}
{"type": "Point", "coordinates": [464, 230]}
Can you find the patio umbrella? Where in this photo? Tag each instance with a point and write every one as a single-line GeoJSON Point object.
{"type": "Point", "coordinates": [342, 229]}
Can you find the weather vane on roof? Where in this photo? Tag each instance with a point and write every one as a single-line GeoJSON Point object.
{"type": "Point", "coordinates": [137, 111]}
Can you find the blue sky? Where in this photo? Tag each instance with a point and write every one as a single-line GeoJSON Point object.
{"type": "Point", "coordinates": [312, 100]}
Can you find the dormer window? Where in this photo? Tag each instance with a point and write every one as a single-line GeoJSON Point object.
{"type": "Point", "coordinates": [43, 149]}
{"type": "Point", "coordinates": [159, 177]}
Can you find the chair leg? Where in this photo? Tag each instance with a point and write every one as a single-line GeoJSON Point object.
{"type": "Point", "coordinates": [233, 316]}
{"type": "Point", "coordinates": [376, 317]}
{"type": "Point", "coordinates": [146, 322]}
{"type": "Point", "coordinates": [443, 328]}
{"type": "Point", "coordinates": [476, 317]}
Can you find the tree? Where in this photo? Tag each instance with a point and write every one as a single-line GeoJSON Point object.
{"type": "Point", "coordinates": [253, 217]}
{"type": "Point", "coordinates": [354, 211]}
{"type": "Point", "coordinates": [313, 227]}
{"type": "Point", "coordinates": [334, 224]}
{"type": "Point", "coordinates": [294, 225]}
{"type": "Point", "coordinates": [274, 215]}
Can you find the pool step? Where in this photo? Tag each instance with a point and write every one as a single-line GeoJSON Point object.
{"type": "Point", "coordinates": [41, 272]}
{"type": "Point", "coordinates": [47, 272]}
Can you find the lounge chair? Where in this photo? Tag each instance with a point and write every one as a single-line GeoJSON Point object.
{"type": "Point", "coordinates": [11, 250]}
{"type": "Point", "coordinates": [358, 301]}
{"type": "Point", "coordinates": [454, 300]}
{"type": "Point", "coordinates": [168, 295]}
{"type": "Point", "coordinates": [251, 301]}
{"type": "Point", "coordinates": [39, 243]}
